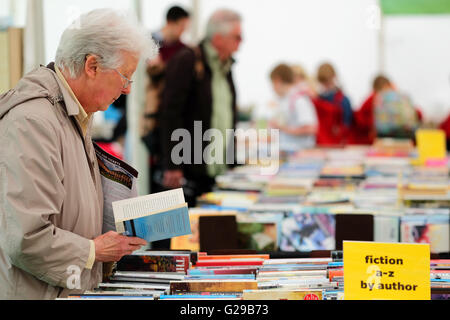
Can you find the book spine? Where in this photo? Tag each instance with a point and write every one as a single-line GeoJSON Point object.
{"type": "Point", "coordinates": [130, 228]}
{"type": "Point", "coordinates": [227, 263]}
{"type": "Point", "coordinates": [154, 263]}
{"type": "Point", "coordinates": [212, 286]}
{"type": "Point", "coordinates": [222, 257]}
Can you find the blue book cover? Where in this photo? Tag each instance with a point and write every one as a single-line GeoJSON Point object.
{"type": "Point", "coordinates": [164, 225]}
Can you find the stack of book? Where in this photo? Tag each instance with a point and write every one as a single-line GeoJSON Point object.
{"type": "Point", "coordinates": [426, 187]}
{"type": "Point", "coordinates": [144, 273]}
{"type": "Point", "coordinates": [242, 181]}
{"type": "Point", "coordinates": [295, 274]}
{"type": "Point", "coordinates": [258, 277]}
{"type": "Point", "coordinates": [218, 277]}
{"type": "Point", "coordinates": [387, 167]}
{"type": "Point", "coordinates": [342, 170]}
{"type": "Point", "coordinates": [336, 273]}
{"type": "Point", "coordinates": [249, 277]}
{"type": "Point", "coordinates": [336, 183]}
{"type": "Point", "coordinates": [241, 264]}
{"type": "Point", "coordinates": [389, 147]}
{"type": "Point", "coordinates": [440, 279]}
{"type": "Point", "coordinates": [289, 186]}
{"type": "Point", "coordinates": [301, 168]}
{"type": "Point", "coordinates": [229, 199]}
{"type": "Point", "coordinates": [329, 198]}
{"type": "Point", "coordinates": [421, 225]}
{"type": "Point", "coordinates": [156, 261]}
{"type": "Point", "coordinates": [317, 155]}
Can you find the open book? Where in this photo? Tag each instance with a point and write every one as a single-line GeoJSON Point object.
{"type": "Point", "coordinates": [153, 217]}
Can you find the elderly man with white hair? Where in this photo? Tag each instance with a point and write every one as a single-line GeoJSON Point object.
{"type": "Point", "coordinates": [200, 89]}
{"type": "Point", "coordinates": [51, 199]}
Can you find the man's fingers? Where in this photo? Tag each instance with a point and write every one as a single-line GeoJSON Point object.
{"type": "Point", "coordinates": [128, 253]}
{"type": "Point", "coordinates": [134, 247]}
{"type": "Point", "coordinates": [134, 241]}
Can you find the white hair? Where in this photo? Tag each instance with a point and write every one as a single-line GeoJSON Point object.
{"type": "Point", "coordinates": [221, 21]}
{"type": "Point", "coordinates": [105, 33]}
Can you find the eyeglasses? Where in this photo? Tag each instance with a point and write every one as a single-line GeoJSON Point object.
{"type": "Point", "coordinates": [128, 82]}
{"type": "Point", "coordinates": [237, 37]}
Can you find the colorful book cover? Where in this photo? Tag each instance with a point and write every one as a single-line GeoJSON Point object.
{"type": "Point", "coordinates": [260, 236]}
{"type": "Point", "coordinates": [163, 225]}
{"type": "Point", "coordinates": [308, 232]}
{"type": "Point", "coordinates": [433, 229]}
{"type": "Point", "coordinates": [154, 263]}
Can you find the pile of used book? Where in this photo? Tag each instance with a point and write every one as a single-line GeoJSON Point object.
{"type": "Point", "coordinates": [142, 275]}
{"type": "Point", "coordinates": [315, 197]}
{"type": "Point", "coordinates": [168, 275]}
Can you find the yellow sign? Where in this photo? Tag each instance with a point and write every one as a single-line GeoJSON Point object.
{"type": "Point", "coordinates": [386, 271]}
{"type": "Point", "coordinates": [431, 145]}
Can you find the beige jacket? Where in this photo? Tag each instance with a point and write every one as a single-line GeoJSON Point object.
{"type": "Point", "coordinates": [51, 200]}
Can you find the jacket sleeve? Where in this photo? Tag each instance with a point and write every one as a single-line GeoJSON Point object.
{"type": "Point", "coordinates": [31, 195]}
{"type": "Point", "coordinates": [178, 86]}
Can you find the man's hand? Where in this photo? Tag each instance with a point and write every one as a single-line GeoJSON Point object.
{"type": "Point", "coordinates": [173, 179]}
{"type": "Point", "coordinates": [111, 246]}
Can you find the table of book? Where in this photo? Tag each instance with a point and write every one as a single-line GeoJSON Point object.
{"type": "Point", "coordinates": [279, 236]}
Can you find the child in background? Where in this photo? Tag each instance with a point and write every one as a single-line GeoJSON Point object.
{"type": "Point", "coordinates": [295, 116]}
{"type": "Point", "coordinates": [384, 95]}
{"type": "Point", "coordinates": [332, 131]}
{"type": "Point", "coordinates": [363, 130]}
{"type": "Point", "coordinates": [302, 80]}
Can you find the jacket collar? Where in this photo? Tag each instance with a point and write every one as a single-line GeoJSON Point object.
{"type": "Point", "coordinates": [71, 105]}
{"type": "Point", "coordinates": [201, 45]}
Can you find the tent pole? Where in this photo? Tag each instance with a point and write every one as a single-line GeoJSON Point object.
{"type": "Point", "coordinates": [34, 39]}
{"type": "Point", "coordinates": [381, 42]}
{"type": "Point", "coordinates": [135, 151]}
{"type": "Point", "coordinates": [195, 21]}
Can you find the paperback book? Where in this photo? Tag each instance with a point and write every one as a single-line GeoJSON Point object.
{"type": "Point", "coordinates": [153, 217]}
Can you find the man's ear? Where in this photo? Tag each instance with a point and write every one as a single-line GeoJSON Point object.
{"type": "Point", "coordinates": [91, 67]}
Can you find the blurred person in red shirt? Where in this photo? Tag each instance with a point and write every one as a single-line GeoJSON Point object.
{"type": "Point", "coordinates": [364, 128]}
{"type": "Point", "coordinates": [446, 127]}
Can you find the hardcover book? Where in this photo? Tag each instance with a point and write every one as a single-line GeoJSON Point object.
{"type": "Point", "coordinates": [154, 262]}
